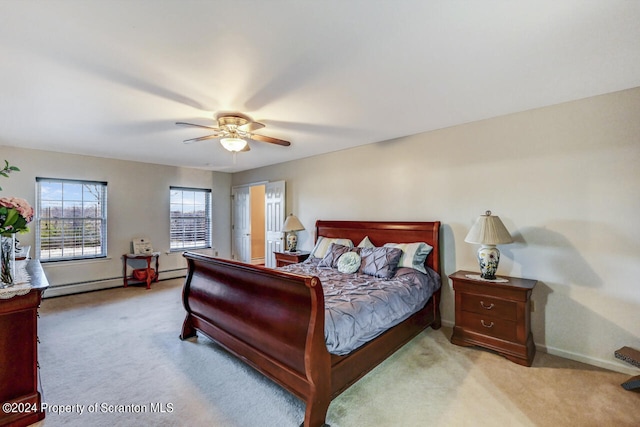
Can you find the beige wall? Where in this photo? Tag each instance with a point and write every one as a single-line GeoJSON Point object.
{"type": "Point", "coordinates": [565, 181]}
{"type": "Point", "coordinates": [138, 205]}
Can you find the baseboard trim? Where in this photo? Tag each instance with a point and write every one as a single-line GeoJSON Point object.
{"type": "Point", "coordinates": [99, 285]}
{"type": "Point", "coordinates": [448, 323]}
{"type": "Point", "coordinates": [611, 365]}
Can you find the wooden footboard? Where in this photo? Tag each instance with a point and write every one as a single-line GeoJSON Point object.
{"type": "Point", "coordinates": [272, 320]}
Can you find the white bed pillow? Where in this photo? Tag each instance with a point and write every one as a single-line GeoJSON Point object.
{"type": "Point", "coordinates": [413, 254]}
{"type": "Point", "coordinates": [323, 243]}
{"type": "Point", "coordinates": [366, 243]}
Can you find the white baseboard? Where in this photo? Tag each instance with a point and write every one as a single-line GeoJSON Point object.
{"type": "Point", "coordinates": [448, 323]}
{"type": "Point", "coordinates": [593, 361]}
{"type": "Point", "coordinates": [605, 364]}
{"type": "Point", "coordinates": [76, 288]}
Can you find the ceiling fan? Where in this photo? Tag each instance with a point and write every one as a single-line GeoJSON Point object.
{"type": "Point", "coordinates": [234, 129]}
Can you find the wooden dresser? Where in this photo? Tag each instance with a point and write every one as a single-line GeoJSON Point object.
{"type": "Point", "coordinates": [19, 394]}
{"type": "Point", "coordinates": [494, 315]}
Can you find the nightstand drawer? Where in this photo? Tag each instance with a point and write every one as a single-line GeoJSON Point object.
{"type": "Point", "coordinates": [489, 325]}
{"type": "Point", "coordinates": [485, 305]}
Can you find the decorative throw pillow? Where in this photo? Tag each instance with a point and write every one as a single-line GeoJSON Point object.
{"type": "Point", "coordinates": [413, 254]}
{"type": "Point", "coordinates": [349, 263]}
{"type": "Point", "coordinates": [380, 262]}
{"type": "Point", "coordinates": [323, 243]}
{"type": "Point", "coordinates": [366, 243]}
{"type": "Point", "coordinates": [334, 252]}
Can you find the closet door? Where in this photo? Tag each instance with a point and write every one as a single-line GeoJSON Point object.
{"type": "Point", "coordinates": [241, 228]}
{"type": "Point", "coordinates": [274, 219]}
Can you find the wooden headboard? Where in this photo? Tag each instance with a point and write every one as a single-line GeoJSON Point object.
{"type": "Point", "coordinates": [381, 232]}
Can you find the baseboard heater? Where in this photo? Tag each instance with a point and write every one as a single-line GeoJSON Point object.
{"type": "Point", "coordinates": [106, 283]}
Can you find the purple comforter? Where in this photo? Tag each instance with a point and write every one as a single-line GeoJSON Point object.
{"type": "Point", "coordinates": [359, 307]}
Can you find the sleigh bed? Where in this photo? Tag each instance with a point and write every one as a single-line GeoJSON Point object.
{"type": "Point", "coordinates": [274, 320]}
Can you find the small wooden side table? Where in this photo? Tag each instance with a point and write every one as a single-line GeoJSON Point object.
{"type": "Point", "coordinates": [152, 274]}
{"type": "Point", "coordinates": [494, 315]}
{"type": "Point", "coordinates": [286, 258]}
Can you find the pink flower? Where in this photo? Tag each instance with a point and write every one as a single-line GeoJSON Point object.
{"type": "Point", "coordinates": [21, 205]}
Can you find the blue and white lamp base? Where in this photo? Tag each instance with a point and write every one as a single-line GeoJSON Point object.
{"type": "Point", "coordinates": [488, 258]}
{"type": "Point", "coordinates": [292, 241]}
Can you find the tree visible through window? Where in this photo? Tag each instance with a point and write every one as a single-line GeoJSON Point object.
{"type": "Point", "coordinates": [71, 219]}
{"type": "Point", "coordinates": [190, 218]}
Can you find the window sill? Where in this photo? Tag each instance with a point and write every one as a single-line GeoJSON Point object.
{"type": "Point", "coordinates": [173, 251]}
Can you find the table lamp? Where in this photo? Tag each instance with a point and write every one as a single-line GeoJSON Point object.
{"type": "Point", "coordinates": [291, 225]}
{"type": "Point", "coordinates": [488, 231]}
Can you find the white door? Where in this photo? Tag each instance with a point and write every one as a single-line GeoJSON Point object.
{"type": "Point", "coordinates": [274, 218]}
{"type": "Point", "coordinates": [241, 227]}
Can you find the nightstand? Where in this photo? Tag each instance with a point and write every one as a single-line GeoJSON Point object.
{"type": "Point", "coordinates": [494, 315]}
{"type": "Point", "coordinates": [286, 258]}
{"type": "Point", "coordinates": [151, 273]}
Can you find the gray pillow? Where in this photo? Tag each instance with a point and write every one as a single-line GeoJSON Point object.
{"type": "Point", "coordinates": [380, 262]}
{"type": "Point", "coordinates": [334, 252]}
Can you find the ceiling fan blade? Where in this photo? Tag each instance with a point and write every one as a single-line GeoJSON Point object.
{"type": "Point", "coordinates": [251, 126]}
{"type": "Point", "coordinates": [199, 126]}
{"type": "Point", "coordinates": [271, 140]}
{"type": "Point", "coordinates": [202, 138]}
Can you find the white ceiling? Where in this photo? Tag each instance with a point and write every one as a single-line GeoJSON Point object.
{"type": "Point", "coordinates": [111, 78]}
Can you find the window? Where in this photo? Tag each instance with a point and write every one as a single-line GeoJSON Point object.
{"type": "Point", "coordinates": [190, 218]}
{"type": "Point", "coordinates": [71, 219]}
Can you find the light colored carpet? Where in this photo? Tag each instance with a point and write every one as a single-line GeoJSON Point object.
{"type": "Point", "coordinates": [121, 347]}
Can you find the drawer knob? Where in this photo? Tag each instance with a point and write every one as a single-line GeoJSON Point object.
{"type": "Point", "coordinates": [487, 307]}
{"type": "Point", "coordinates": [490, 325]}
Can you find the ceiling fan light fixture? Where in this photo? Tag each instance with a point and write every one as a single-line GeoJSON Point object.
{"type": "Point", "coordinates": [233, 144]}
{"type": "Point", "coordinates": [234, 131]}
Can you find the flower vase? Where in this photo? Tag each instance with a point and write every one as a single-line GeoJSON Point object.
{"type": "Point", "coordinates": [7, 260]}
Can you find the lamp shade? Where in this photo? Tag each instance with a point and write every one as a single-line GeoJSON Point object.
{"type": "Point", "coordinates": [488, 230]}
{"type": "Point", "coordinates": [292, 223]}
{"type": "Point", "coordinates": [233, 144]}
